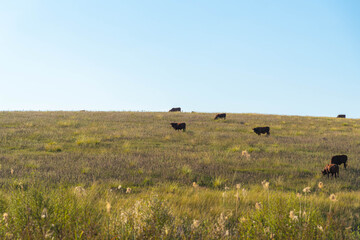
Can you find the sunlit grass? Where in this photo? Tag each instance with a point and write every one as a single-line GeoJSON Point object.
{"type": "Point", "coordinates": [61, 171]}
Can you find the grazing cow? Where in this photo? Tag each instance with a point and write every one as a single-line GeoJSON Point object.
{"type": "Point", "coordinates": [331, 168]}
{"type": "Point", "coordinates": [175, 109]}
{"type": "Point", "coordinates": [341, 116]}
{"type": "Point", "coordinates": [260, 130]}
{"type": "Point", "coordinates": [179, 126]}
{"type": "Point", "coordinates": [220, 115]}
{"type": "Point", "coordinates": [339, 159]}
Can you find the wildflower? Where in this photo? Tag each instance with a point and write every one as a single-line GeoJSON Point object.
{"type": "Point", "coordinates": [119, 187]}
{"type": "Point", "coordinates": [293, 216]}
{"type": "Point", "coordinates": [12, 171]}
{"type": "Point", "coordinates": [108, 207]}
{"type": "Point", "coordinates": [245, 154]}
{"type": "Point", "coordinates": [320, 228]}
{"type": "Point", "coordinates": [258, 206]}
{"type": "Point", "coordinates": [44, 213]}
{"type": "Point", "coordinates": [195, 185]}
{"type": "Point", "coordinates": [238, 186]}
{"type": "Point", "coordinates": [5, 217]}
{"type": "Point", "coordinates": [195, 224]}
{"type": "Point", "coordinates": [226, 188]}
{"type": "Point", "coordinates": [333, 198]}
{"type": "Point", "coordinates": [320, 185]}
{"type": "Point", "coordinates": [265, 184]}
{"type": "Point", "coordinates": [128, 190]}
{"type": "Point", "coordinates": [242, 219]}
{"type": "Point", "coordinates": [306, 190]}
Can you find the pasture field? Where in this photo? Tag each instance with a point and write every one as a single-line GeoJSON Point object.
{"type": "Point", "coordinates": [129, 175]}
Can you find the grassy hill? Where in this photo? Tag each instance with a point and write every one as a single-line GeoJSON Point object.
{"type": "Point", "coordinates": [183, 183]}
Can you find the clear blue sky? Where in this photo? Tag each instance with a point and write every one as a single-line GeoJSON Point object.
{"type": "Point", "coordinates": [275, 57]}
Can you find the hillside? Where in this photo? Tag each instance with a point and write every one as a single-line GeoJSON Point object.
{"type": "Point", "coordinates": [48, 151]}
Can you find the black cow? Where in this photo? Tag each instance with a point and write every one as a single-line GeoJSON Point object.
{"type": "Point", "coordinates": [339, 159]}
{"type": "Point", "coordinates": [331, 168]}
{"type": "Point", "coordinates": [220, 115]}
{"type": "Point", "coordinates": [179, 126]}
{"type": "Point", "coordinates": [341, 116]}
{"type": "Point", "coordinates": [262, 130]}
{"type": "Point", "coordinates": [175, 109]}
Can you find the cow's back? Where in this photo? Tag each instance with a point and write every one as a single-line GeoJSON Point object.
{"type": "Point", "coordinates": [339, 159]}
{"type": "Point", "coordinates": [175, 110]}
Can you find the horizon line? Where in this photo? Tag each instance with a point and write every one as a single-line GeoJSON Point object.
{"type": "Point", "coordinates": [84, 110]}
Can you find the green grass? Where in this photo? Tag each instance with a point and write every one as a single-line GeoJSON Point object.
{"type": "Point", "coordinates": [45, 155]}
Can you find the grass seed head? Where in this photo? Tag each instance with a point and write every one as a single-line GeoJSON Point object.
{"type": "Point", "coordinates": [306, 190]}
{"type": "Point", "coordinates": [244, 192]}
{"type": "Point", "coordinates": [265, 184]}
{"type": "Point", "coordinates": [44, 213]}
{"type": "Point", "coordinates": [79, 190]}
{"type": "Point", "coordinates": [258, 205]}
{"type": "Point", "coordinates": [5, 217]}
{"type": "Point", "coordinates": [195, 224]}
{"type": "Point", "coordinates": [292, 216]}
{"type": "Point", "coordinates": [108, 207]}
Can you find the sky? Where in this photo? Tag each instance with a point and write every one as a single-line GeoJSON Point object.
{"type": "Point", "coordinates": [298, 57]}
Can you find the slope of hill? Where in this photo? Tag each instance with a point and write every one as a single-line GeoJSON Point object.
{"type": "Point", "coordinates": [189, 178]}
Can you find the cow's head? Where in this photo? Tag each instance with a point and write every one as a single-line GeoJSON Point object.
{"type": "Point", "coordinates": [173, 125]}
{"type": "Point", "coordinates": [324, 172]}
